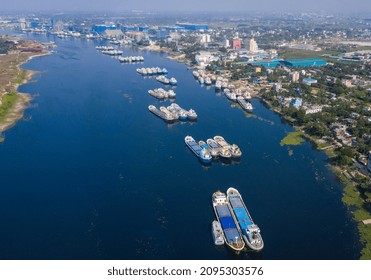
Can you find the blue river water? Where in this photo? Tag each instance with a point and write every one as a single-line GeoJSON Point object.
{"type": "Point", "coordinates": [90, 173]}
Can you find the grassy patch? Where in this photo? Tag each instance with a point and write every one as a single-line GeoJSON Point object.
{"type": "Point", "coordinates": [22, 75]}
{"type": "Point", "coordinates": [8, 101]}
{"type": "Point", "coordinates": [293, 138]}
{"type": "Point", "coordinates": [352, 199]}
{"type": "Point", "coordinates": [288, 53]}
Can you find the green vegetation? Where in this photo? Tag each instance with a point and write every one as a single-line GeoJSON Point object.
{"type": "Point", "coordinates": [8, 101]}
{"type": "Point", "coordinates": [358, 208]}
{"type": "Point", "coordinates": [22, 75]}
{"type": "Point", "coordinates": [288, 53]}
{"type": "Point", "coordinates": [2, 140]}
{"type": "Point", "coordinates": [6, 45]}
{"type": "Point", "coordinates": [293, 138]}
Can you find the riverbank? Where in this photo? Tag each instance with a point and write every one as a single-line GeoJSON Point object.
{"type": "Point", "coordinates": [12, 102]}
{"type": "Point", "coordinates": [352, 197]}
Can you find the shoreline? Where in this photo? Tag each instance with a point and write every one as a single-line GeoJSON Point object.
{"type": "Point", "coordinates": [351, 197]}
{"type": "Point", "coordinates": [16, 111]}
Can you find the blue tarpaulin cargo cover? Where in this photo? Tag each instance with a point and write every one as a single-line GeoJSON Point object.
{"type": "Point", "coordinates": [227, 222]}
{"type": "Point", "coordinates": [223, 210]}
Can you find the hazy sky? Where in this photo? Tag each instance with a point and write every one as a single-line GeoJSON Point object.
{"type": "Point", "coordinates": [346, 6]}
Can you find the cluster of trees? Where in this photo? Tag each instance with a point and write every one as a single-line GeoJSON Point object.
{"type": "Point", "coordinates": [6, 46]}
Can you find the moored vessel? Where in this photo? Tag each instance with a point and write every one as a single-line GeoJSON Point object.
{"type": "Point", "coordinates": [244, 104]}
{"type": "Point", "coordinates": [203, 154]}
{"type": "Point", "coordinates": [232, 235]}
{"type": "Point", "coordinates": [213, 147]}
{"type": "Point", "coordinates": [217, 233]}
{"type": "Point", "coordinates": [160, 114]}
{"type": "Point", "coordinates": [250, 231]}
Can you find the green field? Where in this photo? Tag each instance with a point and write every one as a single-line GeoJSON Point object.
{"type": "Point", "coordinates": [288, 53]}
{"type": "Point", "coordinates": [8, 101]}
{"type": "Point", "coordinates": [293, 138]}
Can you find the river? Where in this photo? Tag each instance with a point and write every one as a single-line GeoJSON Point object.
{"type": "Point", "coordinates": [90, 173]}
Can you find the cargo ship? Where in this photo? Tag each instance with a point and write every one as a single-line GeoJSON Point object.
{"type": "Point", "coordinates": [203, 154]}
{"type": "Point", "coordinates": [244, 104]}
{"type": "Point", "coordinates": [232, 235]}
{"type": "Point", "coordinates": [166, 117]}
{"type": "Point", "coordinates": [234, 149]}
{"type": "Point", "coordinates": [250, 231]}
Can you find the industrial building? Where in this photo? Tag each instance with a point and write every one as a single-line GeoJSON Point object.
{"type": "Point", "coordinates": [193, 27]}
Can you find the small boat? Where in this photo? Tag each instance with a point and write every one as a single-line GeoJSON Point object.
{"type": "Point", "coordinates": [250, 231]}
{"type": "Point", "coordinates": [217, 233]}
{"type": "Point", "coordinates": [192, 115]}
{"type": "Point", "coordinates": [163, 79]}
{"type": "Point", "coordinates": [208, 81]}
{"type": "Point", "coordinates": [173, 81]}
{"type": "Point", "coordinates": [218, 85]}
{"type": "Point", "coordinates": [235, 151]}
{"type": "Point", "coordinates": [203, 154]}
{"type": "Point", "coordinates": [231, 234]}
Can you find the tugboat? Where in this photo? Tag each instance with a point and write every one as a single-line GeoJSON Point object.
{"type": "Point", "coordinates": [217, 233]}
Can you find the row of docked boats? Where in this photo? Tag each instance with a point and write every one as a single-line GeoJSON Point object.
{"type": "Point", "coordinates": [216, 147]}
{"type": "Point", "coordinates": [182, 113]}
{"type": "Point", "coordinates": [245, 104]}
{"type": "Point", "coordinates": [234, 225]}
{"type": "Point", "coordinates": [173, 113]}
{"type": "Point", "coordinates": [112, 52]}
{"type": "Point", "coordinates": [219, 147]}
{"type": "Point", "coordinates": [166, 81]}
{"type": "Point", "coordinates": [131, 59]}
{"type": "Point", "coordinates": [152, 71]}
{"type": "Point", "coordinates": [162, 113]}
{"type": "Point", "coordinates": [235, 95]}
{"type": "Point", "coordinates": [161, 93]}
{"type": "Point", "coordinates": [104, 48]}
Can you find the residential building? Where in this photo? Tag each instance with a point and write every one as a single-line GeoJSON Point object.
{"type": "Point", "coordinates": [253, 48]}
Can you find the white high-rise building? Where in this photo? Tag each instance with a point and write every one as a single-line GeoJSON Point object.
{"type": "Point", "coordinates": [253, 46]}
{"type": "Point", "coordinates": [22, 23]}
{"type": "Point", "coordinates": [205, 38]}
{"type": "Point", "coordinates": [227, 43]}
{"type": "Point", "coordinates": [295, 76]}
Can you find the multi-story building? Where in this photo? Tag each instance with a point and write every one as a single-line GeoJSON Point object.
{"type": "Point", "coordinates": [295, 76]}
{"type": "Point", "coordinates": [253, 48]}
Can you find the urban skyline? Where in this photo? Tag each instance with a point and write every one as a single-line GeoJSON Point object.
{"type": "Point", "coordinates": [241, 6]}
